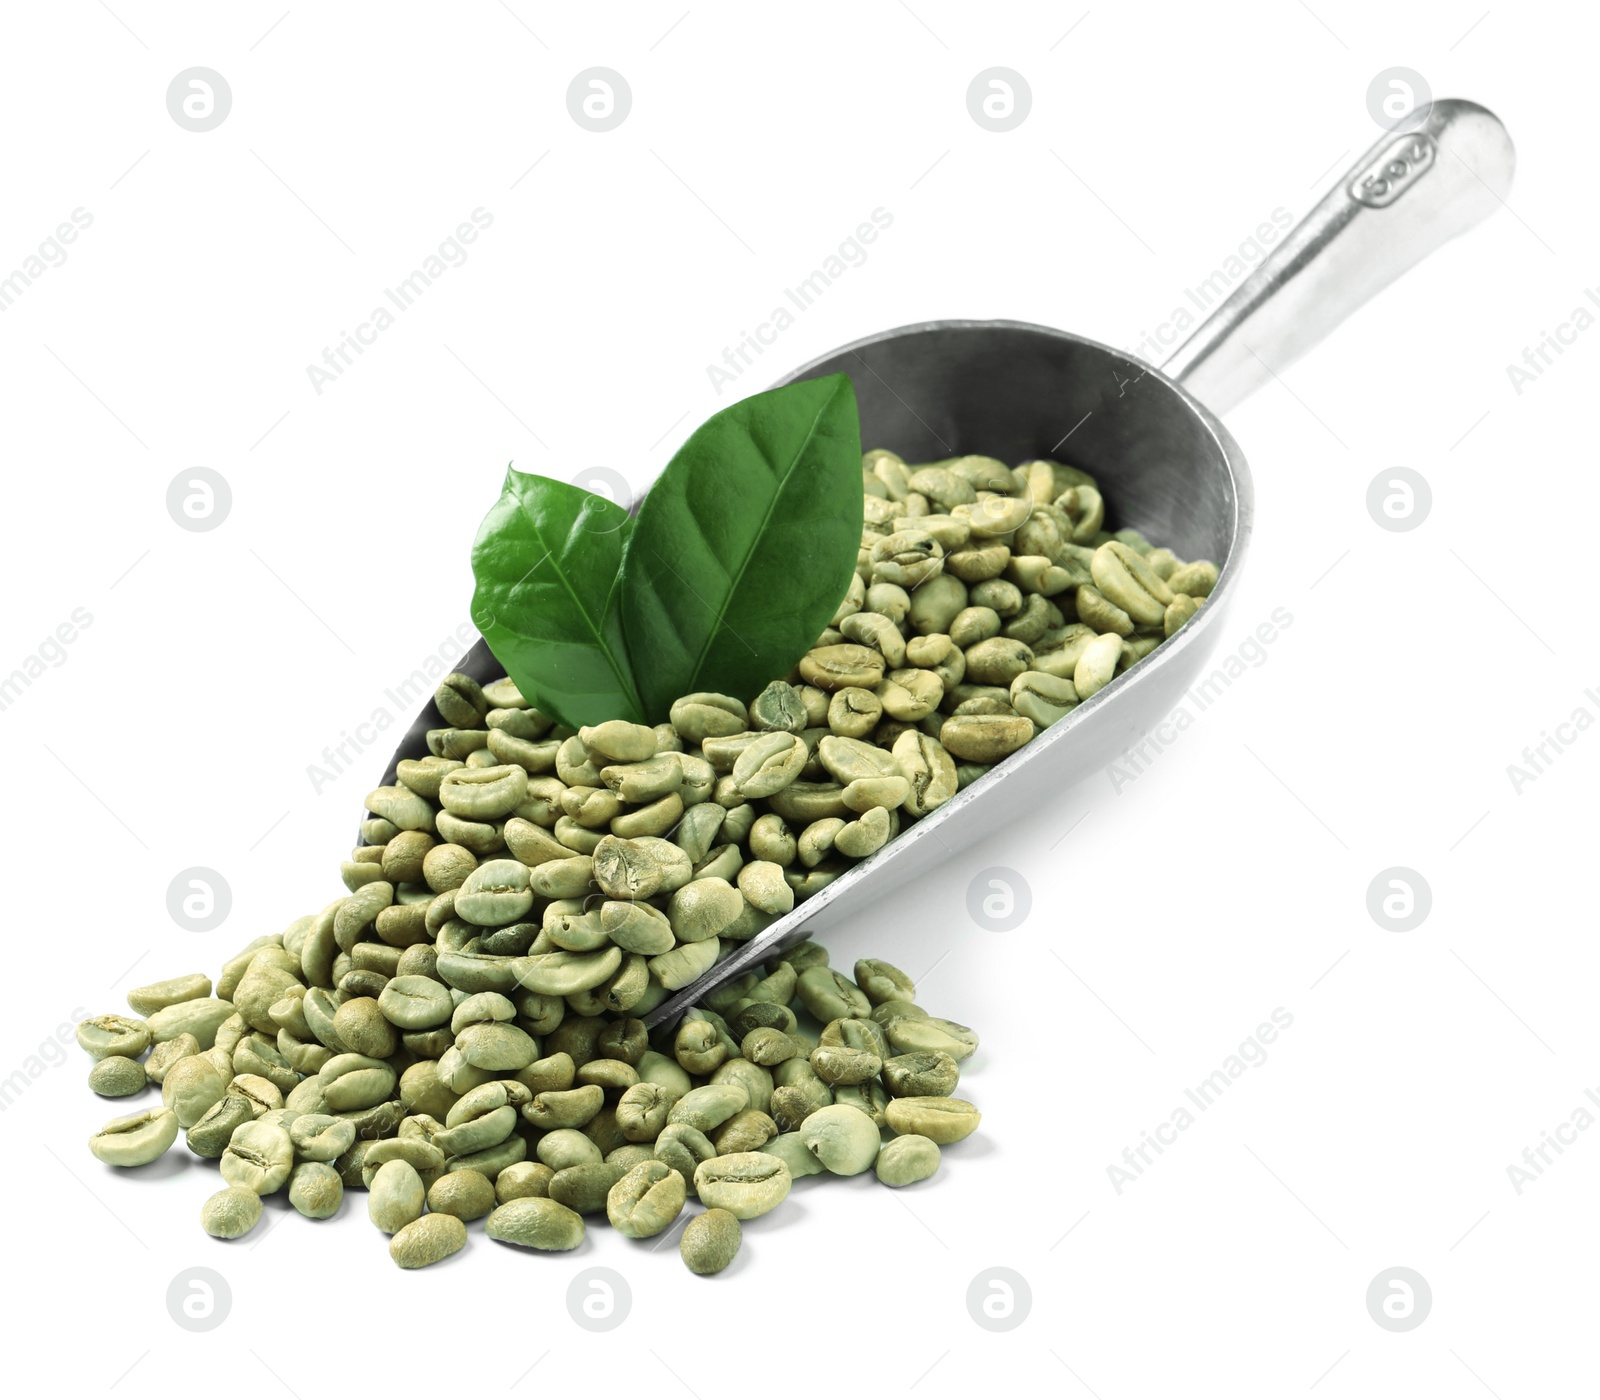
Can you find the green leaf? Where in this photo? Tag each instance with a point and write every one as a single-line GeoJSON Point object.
{"type": "Point", "coordinates": [547, 560]}
{"type": "Point", "coordinates": [745, 545]}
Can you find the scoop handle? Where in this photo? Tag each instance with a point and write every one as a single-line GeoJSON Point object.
{"type": "Point", "coordinates": [1447, 168]}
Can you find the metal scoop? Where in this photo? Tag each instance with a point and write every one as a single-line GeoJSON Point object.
{"type": "Point", "coordinates": [1167, 467]}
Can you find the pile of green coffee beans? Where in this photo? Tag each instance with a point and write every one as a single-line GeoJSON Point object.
{"type": "Point", "coordinates": [460, 1034]}
{"type": "Point", "coordinates": [449, 1105]}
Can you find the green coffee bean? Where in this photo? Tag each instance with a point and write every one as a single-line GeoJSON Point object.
{"type": "Point", "coordinates": [564, 1108]}
{"type": "Point", "coordinates": [397, 1196]}
{"type": "Point", "coordinates": [840, 1064]}
{"type": "Point", "coordinates": [636, 927]}
{"type": "Point", "coordinates": [854, 712]}
{"type": "Point", "coordinates": [881, 981]}
{"type": "Point", "coordinates": [315, 1190]}
{"type": "Point", "coordinates": [710, 1242]}
{"type": "Point", "coordinates": [137, 1139]}
{"type": "Point", "coordinates": [658, 1069]}
{"type": "Point", "coordinates": [844, 1139]}
{"type": "Point", "coordinates": [685, 963]}
{"type": "Point", "coordinates": [756, 1080]}
{"type": "Point", "coordinates": [259, 1156]}
{"type": "Point", "coordinates": [645, 1200]}
{"type": "Point", "coordinates": [869, 1097]}
{"type": "Point", "coordinates": [483, 794]}
{"type": "Point", "coordinates": [792, 1105]}
{"type": "Point", "coordinates": [491, 1161]}
{"type": "Point", "coordinates": [191, 1086]}
{"type": "Point", "coordinates": [567, 1147]}
{"type": "Point", "coordinates": [619, 741]}
{"type": "Point", "coordinates": [745, 1184]}
{"type": "Point", "coordinates": [232, 1212]}
{"type": "Point", "coordinates": [772, 761]}
{"type": "Point", "coordinates": [1179, 611]}
{"type": "Point", "coordinates": [467, 1195]}
{"type": "Point", "coordinates": [928, 769]}
{"type": "Point", "coordinates": [921, 1074]}
{"type": "Point", "coordinates": [747, 1131]}
{"type": "Point", "coordinates": [683, 1149]}
{"type": "Point", "coordinates": [1099, 612]}
{"type": "Point", "coordinates": [1125, 580]}
{"type": "Point", "coordinates": [116, 1077]}
{"type": "Point", "coordinates": [426, 1241]}
{"type": "Point", "coordinates": [209, 1136]}
{"type": "Point", "coordinates": [709, 1106]}
{"type": "Point", "coordinates": [565, 974]}
{"type": "Point", "coordinates": [145, 1001]}
{"type": "Point", "coordinates": [700, 1047]}
{"type": "Point", "coordinates": [476, 1134]}
{"type": "Point", "coordinates": [1196, 579]}
{"type": "Point", "coordinates": [762, 884]}
{"type": "Point", "coordinates": [642, 1111]}
{"type": "Point", "coordinates": [903, 1161]}
{"type": "Point", "coordinates": [261, 1094]}
{"type": "Point", "coordinates": [828, 995]}
{"type": "Point", "coordinates": [791, 1150]}
{"type": "Point", "coordinates": [766, 1045]}
{"type": "Point", "coordinates": [608, 1075]}
{"type": "Point", "coordinates": [360, 1024]}
{"type": "Point", "coordinates": [535, 1222]}
{"type": "Point", "coordinates": [944, 1120]}
{"type": "Point", "coordinates": [1043, 698]}
{"type": "Point", "coordinates": [418, 1149]}
{"type": "Point", "coordinates": [847, 664]}
{"type": "Point", "coordinates": [522, 1179]}
{"type": "Point", "coordinates": [908, 1033]}
{"type": "Point", "coordinates": [167, 1053]}
{"type": "Point", "coordinates": [497, 1047]}
{"type": "Point", "coordinates": [985, 738]}
{"type": "Point", "coordinates": [414, 1003]}
{"type": "Point", "coordinates": [873, 829]}
{"type": "Point", "coordinates": [1097, 664]}
{"type": "Point", "coordinates": [497, 892]}
{"type": "Point", "coordinates": [703, 908]}
{"type": "Point", "coordinates": [104, 1036]}
{"type": "Point", "coordinates": [351, 1082]}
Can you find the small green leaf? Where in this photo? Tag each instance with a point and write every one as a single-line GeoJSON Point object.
{"type": "Point", "coordinates": [547, 562]}
{"type": "Point", "coordinates": [745, 544]}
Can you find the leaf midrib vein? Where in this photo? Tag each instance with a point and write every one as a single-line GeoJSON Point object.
{"type": "Point", "coordinates": [744, 563]}
{"type": "Point", "coordinates": [623, 675]}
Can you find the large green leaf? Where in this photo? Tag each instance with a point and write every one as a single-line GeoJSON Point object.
{"type": "Point", "coordinates": [745, 545]}
{"type": "Point", "coordinates": [547, 561]}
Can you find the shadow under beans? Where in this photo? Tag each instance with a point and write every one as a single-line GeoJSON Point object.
{"type": "Point", "coordinates": [791, 1212]}
{"type": "Point", "coordinates": [169, 1164]}
{"type": "Point", "coordinates": [972, 1149]}
{"type": "Point", "coordinates": [585, 1248]}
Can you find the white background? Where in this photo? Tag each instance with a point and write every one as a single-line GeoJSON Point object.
{"type": "Point", "coordinates": [1227, 881]}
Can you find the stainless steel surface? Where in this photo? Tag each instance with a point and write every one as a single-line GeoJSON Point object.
{"type": "Point", "coordinates": [1168, 467]}
{"type": "Point", "coordinates": [1412, 192]}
